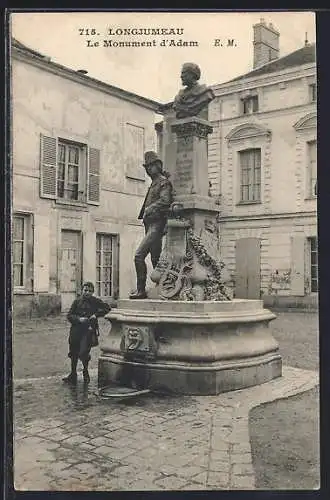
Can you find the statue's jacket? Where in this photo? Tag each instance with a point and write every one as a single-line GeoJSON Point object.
{"type": "Point", "coordinates": [158, 200]}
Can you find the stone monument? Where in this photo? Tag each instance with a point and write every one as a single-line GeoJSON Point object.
{"type": "Point", "coordinates": [189, 336]}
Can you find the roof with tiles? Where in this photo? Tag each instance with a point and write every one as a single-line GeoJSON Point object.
{"type": "Point", "coordinates": [25, 48]}
{"type": "Point", "coordinates": [83, 76]}
{"type": "Point", "coordinates": [305, 55]}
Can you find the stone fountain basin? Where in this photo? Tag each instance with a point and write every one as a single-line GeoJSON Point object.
{"type": "Point", "coordinates": [198, 347]}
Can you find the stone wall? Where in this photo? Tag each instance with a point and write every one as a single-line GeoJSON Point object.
{"type": "Point", "coordinates": [284, 152]}
{"type": "Point", "coordinates": [284, 251]}
{"type": "Point", "coordinates": [36, 305]}
{"type": "Point", "coordinates": [48, 103]}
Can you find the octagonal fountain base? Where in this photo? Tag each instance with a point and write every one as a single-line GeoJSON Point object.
{"type": "Point", "coordinates": [200, 348]}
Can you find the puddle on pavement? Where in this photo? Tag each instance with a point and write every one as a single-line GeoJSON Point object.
{"type": "Point", "coordinates": [80, 396]}
{"type": "Point", "coordinates": [23, 387]}
{"type": "Point", "coordinates": [54, 397]}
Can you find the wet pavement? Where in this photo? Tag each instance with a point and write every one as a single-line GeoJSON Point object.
{"type": "Point", "coordinates": [69, 439]}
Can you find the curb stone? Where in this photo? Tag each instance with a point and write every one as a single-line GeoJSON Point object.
{"type": "Point", "coordinates": [293, 381]}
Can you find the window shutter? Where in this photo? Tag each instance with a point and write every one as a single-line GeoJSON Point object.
{"type": "Point", "coordinates": [134, 151]}
{"type": "Point", "coordinates": [241, 274]}
{"type": "Point", "coordinates": [257, 158]}
{"type": "Point", "coordinates": [41, 253]}
{"type": "Point", "coordinates": [312, 168]}
{"type": "Point", "coordinates": [48, 167]}
{"type": "Point", "coordinates": [93, 178]}
{"type": "Point", "coordinates": [243, 175]}
{"type": "Point", "coordinates": [257, 175]}
{"type": "Point", "coordinates": [115, 277]}
{"type": "Point", "coordinates": [255, 103]}
{"type": "Point", "coordinates": [298, 254]}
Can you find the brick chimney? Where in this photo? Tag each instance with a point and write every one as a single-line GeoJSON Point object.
{"type": "Point", "coordinates": [266, 43]}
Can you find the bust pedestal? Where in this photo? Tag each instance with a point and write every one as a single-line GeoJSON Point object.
{"type": "Point", "coordinates": [191, 248]}
{"type": "Point", "coordinates": [189, 171]}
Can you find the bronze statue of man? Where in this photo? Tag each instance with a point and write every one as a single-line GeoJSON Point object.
{"type": "Point", "coordinates": [154, 213]}
{"type": "Point", "coordinates": [194, 99]}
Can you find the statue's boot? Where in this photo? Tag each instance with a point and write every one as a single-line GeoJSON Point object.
{"type": "Point", "coordinates": [140, 292]}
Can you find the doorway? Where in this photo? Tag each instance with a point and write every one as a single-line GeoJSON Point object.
{"type": "Point", "coordinates": [248, 279]}
{"type": "Point", "coordinates": [71, 267]}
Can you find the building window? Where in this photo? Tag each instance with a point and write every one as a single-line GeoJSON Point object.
{"type": "Point", "coordinates": [312, 168]}
{"type": "Point", "coordinates": [19, 254]}
{"type": "Point", "coordinates": [314, 264]}
{"type": "Point", "coordinates": [106, 264]}
{"type": "Point", "coordinates": [250, 105]}
{"type": "Point", "coordinates": [312, 92]}
{"type": "Point", "coordinates": [69, 171]}
{"type": "Point", "coordinates": [250, 175]}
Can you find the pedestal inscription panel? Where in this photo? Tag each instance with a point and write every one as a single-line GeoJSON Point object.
{"type": "Point", "coordinates": [183, 175]}
{"type": "Point", "coordinates": [177, 241]}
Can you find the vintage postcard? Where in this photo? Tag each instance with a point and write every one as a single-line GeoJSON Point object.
{"type": "Point", "coordinates": [164, 251]}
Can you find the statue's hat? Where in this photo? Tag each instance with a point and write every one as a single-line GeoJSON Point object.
{"type": "Point", "coordinates": [151, 157]}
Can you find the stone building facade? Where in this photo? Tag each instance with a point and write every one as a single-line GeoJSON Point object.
{"type": "Point", "coordinates": [262, 171]}
{"type": "Point", "coordinates": [78, 182]}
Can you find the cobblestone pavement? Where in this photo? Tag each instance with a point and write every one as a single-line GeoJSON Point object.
{"type": "Point", "coordinates": [79, 442]}
{"type": "Point", "coordinates": [40, 346]}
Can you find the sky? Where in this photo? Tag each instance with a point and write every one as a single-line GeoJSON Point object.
{"type": "Point", "coordinates": [154, 72]}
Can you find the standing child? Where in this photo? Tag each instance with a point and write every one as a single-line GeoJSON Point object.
{"type": "Point", "coordinates": [84, 330]}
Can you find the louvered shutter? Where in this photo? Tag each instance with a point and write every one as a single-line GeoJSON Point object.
{"type": "Point", "coordinates": [313, 168]}
{"type": "Point", "coordinates": [134, 151]}
{"type": "Point", "coordinates": [93, 178]}
{"type": "Point", "coordinates": [41, 253]}
{"type": "Point", "coordinates": [257, 175]}
{"type": "Point", "coordinates": [48, 167]}
{"type": "Point", "coordinates": [116, 254]}
{"type": "Point", "coordinates": [298, 253]}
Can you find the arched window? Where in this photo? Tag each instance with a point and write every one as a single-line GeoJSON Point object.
{"type": "Point", "coordinates": [306, 139]}
{"type": "Point", "coordinates": [249, 141]}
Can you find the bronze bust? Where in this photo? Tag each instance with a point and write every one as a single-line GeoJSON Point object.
{"type": "Point", "coordinates": [194, 99]}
